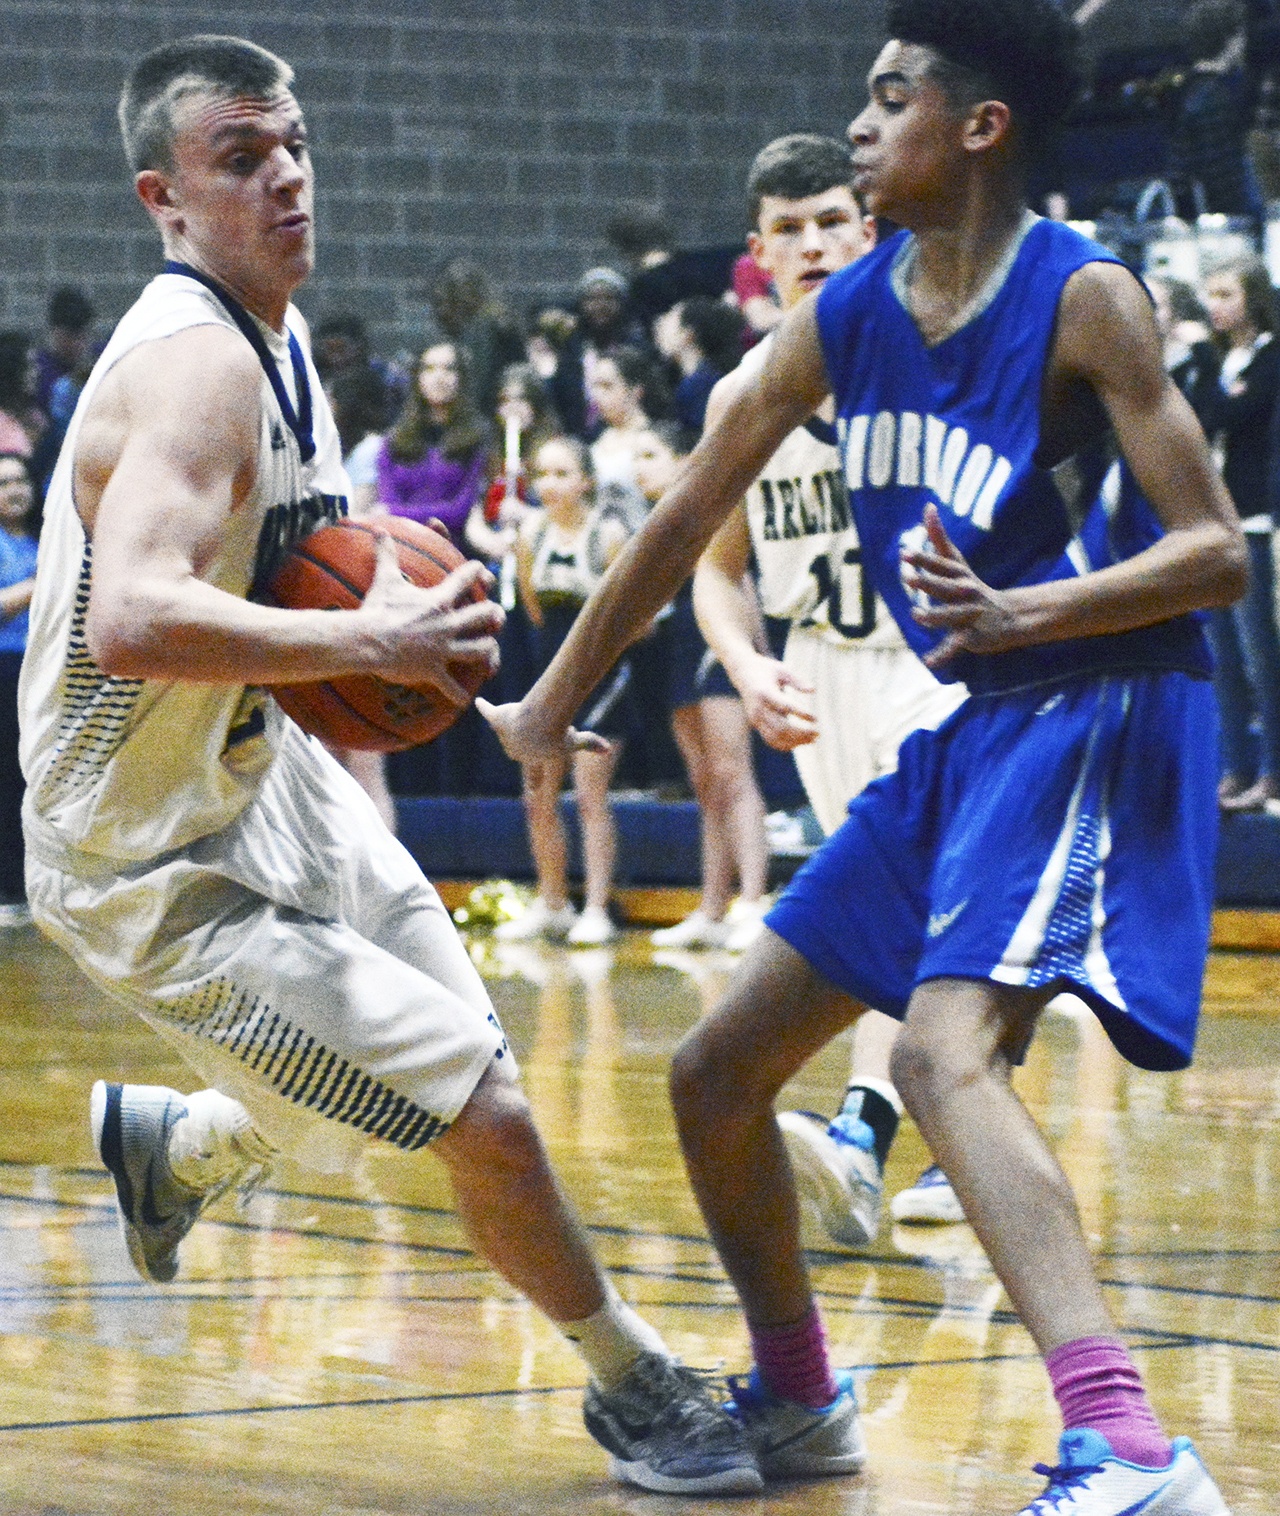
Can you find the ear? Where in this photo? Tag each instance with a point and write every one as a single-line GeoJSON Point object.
{"type": "Point", "coordinates": [988, 125]}
{"type": "Point", "coordinates": [156, 193]}
{"type": "Point", "coordinates": [870, 233]}
{"type": "Point", "coordinates": [755, 245]}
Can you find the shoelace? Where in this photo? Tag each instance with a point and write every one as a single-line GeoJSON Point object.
{"type": "Point", "coordinates": [1062, 1479]}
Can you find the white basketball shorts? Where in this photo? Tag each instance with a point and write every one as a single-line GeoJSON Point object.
{"type": "Point", "coordinates": [298, 960]}
{"type": "Point", "coordinates": [867, 701]}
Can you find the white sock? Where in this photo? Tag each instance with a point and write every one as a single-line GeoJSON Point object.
{"type": "Point", "coordinates": [612, 1339]}
{"type": "Point", "coordinates": [214, 1140]}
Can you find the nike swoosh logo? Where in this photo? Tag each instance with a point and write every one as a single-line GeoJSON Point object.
{"type": "Point", "coordinates": [940, 921]}
{"type": "Point", "coordinates": [1132, 1510]}
{"type": "Point", "coordinates": [785, 1442]}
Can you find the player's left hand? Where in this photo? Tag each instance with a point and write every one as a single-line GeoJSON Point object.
{"type": "Point", "coordinates": [524, 741]}
{"type": "Point", "coordinates": [975, 617]}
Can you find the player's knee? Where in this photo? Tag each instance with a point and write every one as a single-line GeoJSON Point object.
{"type": "Point", "coordinates": [920, 1066]}
{"type": "Point", "coordinates": [693, 1080]}
{"type": "Point", "coordinates": [495, 1131]}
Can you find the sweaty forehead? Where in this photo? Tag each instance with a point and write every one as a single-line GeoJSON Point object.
{"type": "Point", "coordinates": [213, 116]}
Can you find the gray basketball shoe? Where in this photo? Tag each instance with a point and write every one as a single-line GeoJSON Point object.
{"type": "Point", "coordinates": [132, 1124]}
{"type": "Point", "coordinates": [664, 1431]}
{"type": "Point", "coordinates": [794, 1441]}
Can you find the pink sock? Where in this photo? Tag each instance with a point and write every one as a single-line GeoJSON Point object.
{"type": "Point", "coordinates": [1097, 1386]}
{"type": "Point", "coordinates": [793, 1361]}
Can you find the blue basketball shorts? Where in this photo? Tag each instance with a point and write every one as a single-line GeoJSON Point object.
{"type": "Point", "coordinates": [1061, 838]}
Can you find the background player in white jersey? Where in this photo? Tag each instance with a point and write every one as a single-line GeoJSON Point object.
{"type": "Point", "coordinates": [202, 859]}
{"type": "Point", "coordinates": [848, 689]}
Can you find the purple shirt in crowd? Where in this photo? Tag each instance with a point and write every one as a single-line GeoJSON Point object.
{"type": "Point", "coordinates": [434, 486]}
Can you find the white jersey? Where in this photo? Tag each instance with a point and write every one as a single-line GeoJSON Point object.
{"type": "Point", "coordinates": [128, 769]}
{"type": "Point", "coordinates": [805, 543]}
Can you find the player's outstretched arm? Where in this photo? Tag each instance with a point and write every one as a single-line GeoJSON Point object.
{"type": "Point", "coordinates": [1108, 342]}
{"type": "Point", "coordinates": [729, 617]}
{"type": "Point", "coordinates": [659, 558]}
{"type": "Point", "coordinates": [166, 459]}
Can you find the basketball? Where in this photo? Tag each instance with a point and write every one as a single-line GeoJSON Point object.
{"type": "Point", "coordinates": [331, 570]}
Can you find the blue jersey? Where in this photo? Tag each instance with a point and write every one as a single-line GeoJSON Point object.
{"type": "Point", "coordinates": [959, 424]}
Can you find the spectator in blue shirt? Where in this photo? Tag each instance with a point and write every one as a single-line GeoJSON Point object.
{"type": "Point", "coordinates": [18, 533]}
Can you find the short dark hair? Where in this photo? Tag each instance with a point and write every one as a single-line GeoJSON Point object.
{"type": "Point", "coordinates": [227, 66]}
{"type": "Point", "coordinates": [795, 167]}
{"type": "Point", "coordinates": [717, 329]}
{"type": "Point", "coordinates": [641, 230]}
{"type": "Point", "coordinates": [1025, 53]}
{"type": "Point", "coordinates": [70, 310]}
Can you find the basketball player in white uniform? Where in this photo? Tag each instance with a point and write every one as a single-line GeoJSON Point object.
{"type": "Point", "coordinates": [201, 858]}
{"type": "Point", "coordinates": [848, 690]}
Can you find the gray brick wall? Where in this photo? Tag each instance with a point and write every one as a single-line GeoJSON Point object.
{"type": "Point", "coordinates": [504, 129]}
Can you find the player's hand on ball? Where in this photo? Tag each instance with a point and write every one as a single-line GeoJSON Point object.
{"type": "Point", "coordinates": [421, 632]}
{"type": "Point", "coordinates": [975, 617]}
{"type": "Point", "coordinates": [525, 741]}
{"type": "Point", "coordinates": [777, 703]}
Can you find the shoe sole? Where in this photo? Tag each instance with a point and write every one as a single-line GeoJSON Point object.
{"type": "Point", "coordinates": [817, 1467]}
{"type": "Point", "coordinates": [742, 1480]}
{"type": "Point", "coordinates": [108, 1140]}
{"type": "Point", "coordinates": [928, 1212]}
{"type": "Point", "coordinates": [826, 1189]}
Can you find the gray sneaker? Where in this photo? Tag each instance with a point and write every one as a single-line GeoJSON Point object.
{"type": "Point", "coordinates": [793, 1441]}
{"type": "Point", "coordinates": [665, 1431]}
{"type": "Point", "coordinates": [131, 1127]}
{"type": "Point", "coordinates": [836, 1176]}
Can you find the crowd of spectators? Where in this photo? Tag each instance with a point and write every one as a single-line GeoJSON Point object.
{"type": "Point", "coordinates": [495, 411]}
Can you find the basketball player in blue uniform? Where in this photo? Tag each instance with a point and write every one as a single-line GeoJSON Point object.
{"type": "Point", "coordinates": [1058, 831]}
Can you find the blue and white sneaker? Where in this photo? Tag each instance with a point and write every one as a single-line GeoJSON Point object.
{"type": "Point", "coordinates": [1089, 1480]}
{"type": "Point", "coordinates": [930, 1200]}
{"type": "Point", "coordinates": [837, 1175]}
{"type": "Point", "coordinates": [132, 1126]}
{"type": "Point", "coordinates": [793, 1441]}
{"type": "Point", "coordinates": [665, 1431]}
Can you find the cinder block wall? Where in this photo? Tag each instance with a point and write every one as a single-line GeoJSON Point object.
{"type": "Point", "coordinates": [507, 130]}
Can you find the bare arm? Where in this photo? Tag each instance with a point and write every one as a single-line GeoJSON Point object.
{"type": "Point", "coordinates": [657, 560]}
{"type": "Point", "coordinates": [1107, 340]}
{"type": "Point", "coordinates": [15, 598]}
{"type": "Point", "coordinates": [167, 457]}
{"type": "Point", "coordinates": [728, 612]}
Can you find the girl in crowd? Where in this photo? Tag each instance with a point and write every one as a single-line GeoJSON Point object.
{"type": "Point", "coordinates": [432, 465]}
{"type": "Point", "coordinates": [711, 731]}
{"type": "Point", "coordinates": [523, 402]}
{"type": "Point", "coordinates": [1238, 420]}
{"type": "Point", "coordinates": [628, 392]}
{"type": "Point", "coordinates": [563, 550]}
{"type": "Point", "coordinates": [18, 534]}
{"type": "Point", "coordinates": [21, 420]}
{"type": "Point", "coordinates": [358, 397]}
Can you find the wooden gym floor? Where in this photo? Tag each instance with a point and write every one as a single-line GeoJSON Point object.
{"type": "Point", "coordinates": [336, 1350]}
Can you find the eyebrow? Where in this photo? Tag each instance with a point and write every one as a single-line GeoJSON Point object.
{"type": "Point", "coordinates": [891, 76]}
{"type": "Point", "coordinates": [245, 132]}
